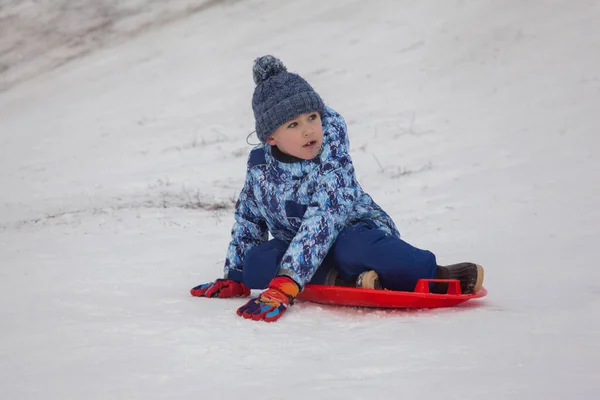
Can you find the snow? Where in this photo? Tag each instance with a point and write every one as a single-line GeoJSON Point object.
{"type": "Point", "coordinates": [39, 35]}
{"type": "Point", "coordinates": [472, 123]}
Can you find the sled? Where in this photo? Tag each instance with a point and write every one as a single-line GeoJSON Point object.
{"type": "Point", "coordinates": [420, 298]}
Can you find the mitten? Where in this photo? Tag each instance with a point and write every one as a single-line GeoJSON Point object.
{"type": "Point", "coordinates": [273, 302]}
{"type": "Point", "coordinates": [221, 288]}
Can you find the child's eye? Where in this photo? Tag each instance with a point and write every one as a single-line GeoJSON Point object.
{"type": "Point", "coordinates": [312, 117]}
{"type": "Point", "coordinates": [293, 125]}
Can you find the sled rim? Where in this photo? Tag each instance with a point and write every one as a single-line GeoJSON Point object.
{"type": "Point", "coordinates": [357, 297]}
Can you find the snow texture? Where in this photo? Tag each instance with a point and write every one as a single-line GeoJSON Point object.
{"type": "Point", "coordinates": [473, 124]}
{"type": "Point", "coordinates": [38, 35]}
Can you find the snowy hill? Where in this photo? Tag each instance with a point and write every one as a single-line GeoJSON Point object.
{"type": "Point", "coordinates": [474, 124]}
{"type": "Point", "coordinates": [40, 35]}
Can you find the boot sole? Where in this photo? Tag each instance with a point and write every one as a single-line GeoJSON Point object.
{"type": "Point", "coordinates": [479, 282]}
{"type": "Point", "coordinates": [370, 280]}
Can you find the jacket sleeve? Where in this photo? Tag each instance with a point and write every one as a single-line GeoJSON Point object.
{"type": "Point", "coordinates": [327, 214]}
{"type": "Point", "coordinates": [249, 230]}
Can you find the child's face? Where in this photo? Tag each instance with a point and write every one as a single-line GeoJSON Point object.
{"type": "Point", "coordinates": [301, 137]}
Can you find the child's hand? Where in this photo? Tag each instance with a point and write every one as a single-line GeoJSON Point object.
{"type": "Point", "coordinates": [221, 288]}
{"type": "Point", "coordinates": [273, 302]}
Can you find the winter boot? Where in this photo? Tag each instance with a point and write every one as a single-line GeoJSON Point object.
{"type": "Point", "coordinates": [366, 280]}
{"type": "Point", "coordinates": [469, 275]}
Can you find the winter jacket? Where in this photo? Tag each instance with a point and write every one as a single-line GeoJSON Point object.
{"type": "Point", "coordinates": [305, 204]}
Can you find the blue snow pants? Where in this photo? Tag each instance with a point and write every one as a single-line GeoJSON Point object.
{"type": "Point", "coordinates": [358, 248]}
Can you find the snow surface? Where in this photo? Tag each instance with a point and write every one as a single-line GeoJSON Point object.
{"type": "Point", "coordinates": [39, 35]}
{"type": "Point", "coordinates": [474, 124]}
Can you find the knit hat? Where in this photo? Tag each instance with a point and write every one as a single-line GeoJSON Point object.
{"type": "Point", "coordinates": [279, 96]}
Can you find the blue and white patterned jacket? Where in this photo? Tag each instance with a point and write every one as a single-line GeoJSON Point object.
{"type": "Point", "coordinates": [306, 204]}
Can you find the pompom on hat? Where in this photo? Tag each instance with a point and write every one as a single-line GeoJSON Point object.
{"type": "Point", "coordinates": [279, 96]}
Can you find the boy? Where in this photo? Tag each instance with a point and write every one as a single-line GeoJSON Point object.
{"type": "Point", "coordinates": [301, 187]}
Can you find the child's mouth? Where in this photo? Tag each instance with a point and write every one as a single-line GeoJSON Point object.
{"type": "Point", "coordinates": [310, 144]}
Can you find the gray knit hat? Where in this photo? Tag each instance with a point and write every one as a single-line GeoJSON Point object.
{"type": "Point", "coordinates": [279, 96]}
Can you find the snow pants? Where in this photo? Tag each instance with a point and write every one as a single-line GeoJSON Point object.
{"type": "Point", "coordinates": [358, 248]}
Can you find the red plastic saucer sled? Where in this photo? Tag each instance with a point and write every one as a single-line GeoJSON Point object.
{"type": "Point", "coordinates": [420, 298]}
